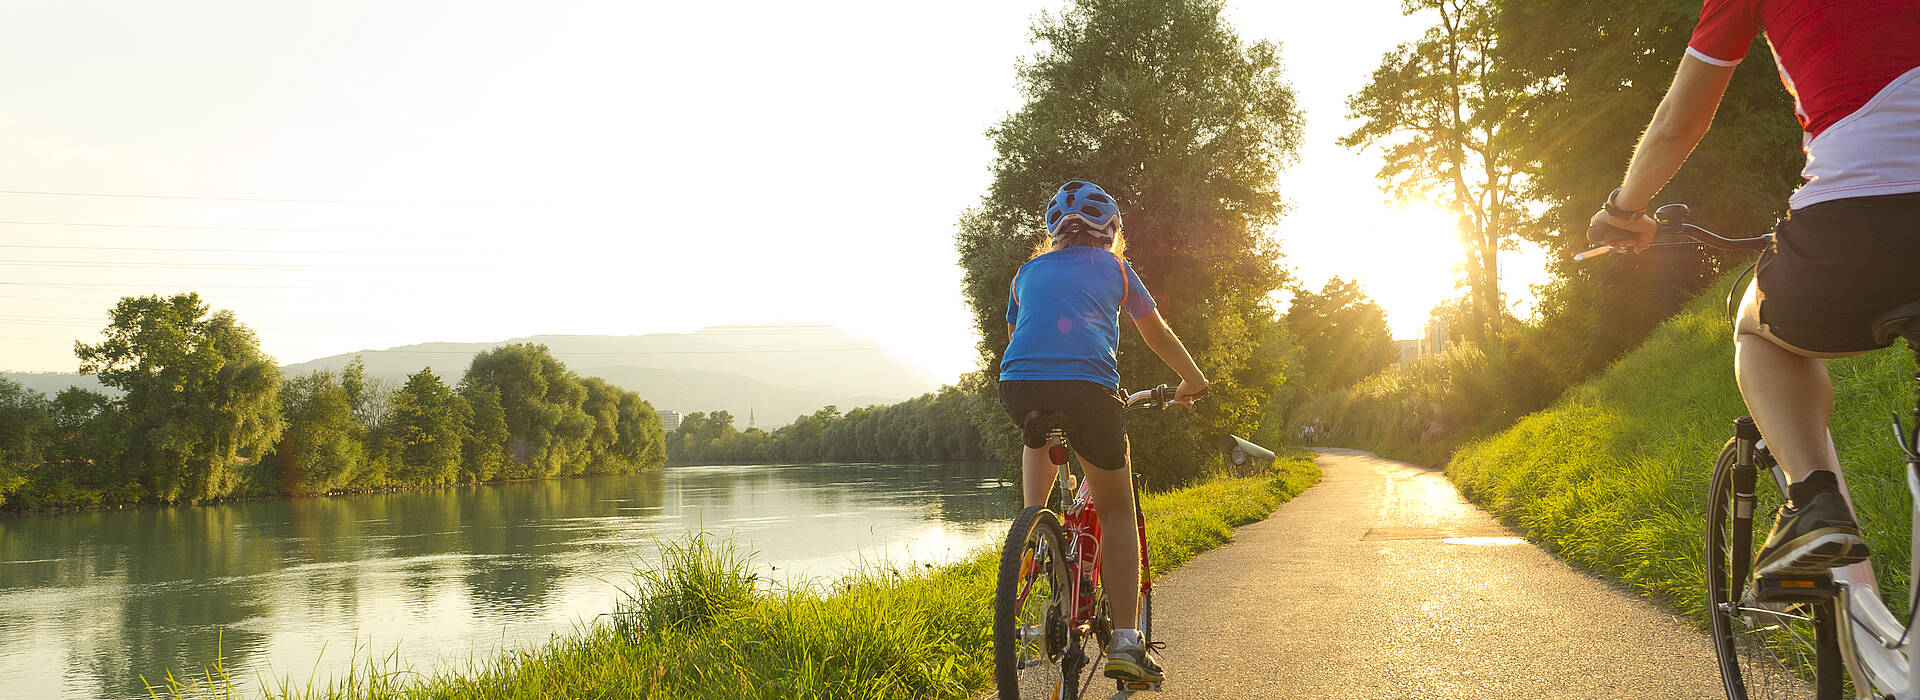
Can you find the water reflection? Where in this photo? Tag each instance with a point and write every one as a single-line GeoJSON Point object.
{"type": "Point", "coordinates": [90, 601]}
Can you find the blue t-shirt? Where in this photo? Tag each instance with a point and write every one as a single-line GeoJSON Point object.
{"type": "Point", "coordinates": [1065, 311]}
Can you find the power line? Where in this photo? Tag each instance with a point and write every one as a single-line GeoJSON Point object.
{"type": "Point", "coordinates": [88, 287]}
{"type": "Point", "coordinates": [116, 195]}
{"type": "Point", "coordinates": [123, 265]}
{"type": "Point", "coordinates": [200, 228]}
{"type": "Point", "coordinates": [215, 250]}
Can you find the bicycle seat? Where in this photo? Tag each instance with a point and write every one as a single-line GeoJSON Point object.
{"type": "Point", "coordinates": [1902, 321]}
{"type": "Point", "coordinates": [1040, 425]}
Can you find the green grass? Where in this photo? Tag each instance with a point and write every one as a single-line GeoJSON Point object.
{"type": "Point", "coordinates": [1613, 477]}
{"type": "Point", "coordinates": [703, 626]}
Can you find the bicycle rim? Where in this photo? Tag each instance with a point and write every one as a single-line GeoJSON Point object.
{"type": "Point", "coordinates": [1031, 610]}
{"type": "Point", "coordinates": [1765, 650]}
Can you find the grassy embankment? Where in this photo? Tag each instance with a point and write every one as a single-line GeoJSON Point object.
{"type": "Point", "coordinates": [703, 626]}
{"type": "Point", "coordinates": [1613, 477]}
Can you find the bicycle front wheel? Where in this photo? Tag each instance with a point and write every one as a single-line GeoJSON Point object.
{"type": "Point", "coordinates": [1032, 609]}
{"type": "Point", "coordinates": [1766, 650]}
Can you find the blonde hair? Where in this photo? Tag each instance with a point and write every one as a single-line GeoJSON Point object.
{"type": "Point", "coordinates": [1048, 244]}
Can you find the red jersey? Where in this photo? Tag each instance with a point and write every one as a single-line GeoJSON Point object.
{"type": "Point", "coordinates": [1853, 68]}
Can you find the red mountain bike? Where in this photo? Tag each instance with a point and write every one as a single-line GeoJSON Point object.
{"type": "Point", "coordinates": [1049, 602]}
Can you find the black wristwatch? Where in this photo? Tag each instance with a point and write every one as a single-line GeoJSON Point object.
{"type": "Point", "coordinates": [1617, 212]}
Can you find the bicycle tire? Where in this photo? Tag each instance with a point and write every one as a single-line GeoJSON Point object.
{"type": "Point", "coordinates": [1765, 651]}
{"type": "Point", "coordinates": [1028, 663]}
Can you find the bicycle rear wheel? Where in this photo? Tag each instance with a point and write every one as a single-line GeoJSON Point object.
{"type": "Point", "coordinates": [1766, 650]}
{"type": "Point", "coordinates": [1031, 610]}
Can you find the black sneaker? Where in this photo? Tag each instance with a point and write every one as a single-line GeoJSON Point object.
{"type": "Point", "coordinates": [1817, 535]}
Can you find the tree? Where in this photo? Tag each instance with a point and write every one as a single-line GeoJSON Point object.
{"type": "Point", "coordinates": [199, 393]}
{"type": "Point", "coordinates": [540, 403]}
{"type": "Point", "coordinates": [426, 427]}
{"type": "Point", "coordinates": [1593, 74]}
{"type": "Point", "coordinates": [321, 449]}
{"type": "Point", "coordinates": [1161, 104]}
{"type": "Point", "coordinates": [1342, 334]}
{"type": "Point", "coordinates": [26, 428]}
{"type": "Point", "coordinates": [486, 447]}
{"type": "Point", "coordinates": [1442, 109]}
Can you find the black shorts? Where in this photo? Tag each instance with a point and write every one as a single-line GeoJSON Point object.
{"type": "Point", "coordinates": [1093, 416]}
{"type": "Point", "coordinates": [1837, 265]}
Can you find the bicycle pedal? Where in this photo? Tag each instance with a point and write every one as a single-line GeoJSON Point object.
{"type": "Point", "coordinates": [1137, 686]}
{"type": "Point", "coordinates": [1793, 589]}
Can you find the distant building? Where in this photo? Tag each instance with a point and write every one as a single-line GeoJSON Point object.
{"type": "Point", "coordinates": [1433, 340]}
{"type": "Point", "coordinates": [669, 420]}
{"type": "Point", "coordinates": [1436, 337]}
{"type": "Point", "coordinates": [1409, 349]}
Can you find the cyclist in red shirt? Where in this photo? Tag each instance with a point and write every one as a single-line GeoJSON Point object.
{"type": "Point", "coordinates": [1849, 249]}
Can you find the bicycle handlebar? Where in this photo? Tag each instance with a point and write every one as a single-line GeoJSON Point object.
{"type": "Point", "coordinates": [1156, 398]}
{"type": "Point", "coordinates": [1672, 220]}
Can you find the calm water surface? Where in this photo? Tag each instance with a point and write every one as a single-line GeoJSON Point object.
{"type": "Point", "coordinates": [89, 602]}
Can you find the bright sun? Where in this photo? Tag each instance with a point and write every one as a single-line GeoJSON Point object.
{"type": "Point", "coordinates": [1414, 262]}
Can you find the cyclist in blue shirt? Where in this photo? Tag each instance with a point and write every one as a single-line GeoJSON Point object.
{"type": "Point", "coordinates": [1063, 328]}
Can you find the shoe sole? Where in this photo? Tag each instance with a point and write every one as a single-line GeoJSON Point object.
{"type": "Point", "coordinates": [1815, 553]}
{"type": "Point", "coordinates": [1128, 671]}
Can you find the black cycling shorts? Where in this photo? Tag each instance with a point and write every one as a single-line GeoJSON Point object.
{"type": "Point", "coordinates": [1093, 416]}
{"type": "Point", "coordinates": [1837, 265]}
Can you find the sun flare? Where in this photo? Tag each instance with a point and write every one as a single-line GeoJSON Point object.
{"type": "Point", "coordinates": [1415, 264]}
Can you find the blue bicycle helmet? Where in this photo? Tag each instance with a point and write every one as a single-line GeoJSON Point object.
{"type": "Point", "coordinates": [1081, 206]}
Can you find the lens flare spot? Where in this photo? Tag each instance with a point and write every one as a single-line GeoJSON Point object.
{"type": "Point", "coordinates": [1064, 324]}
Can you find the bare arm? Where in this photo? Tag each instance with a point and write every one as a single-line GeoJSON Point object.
{"type": "Point", "coordinates": [1009, 334]}
{"type": "Point", "coordinates": [1683, 117]}
{"type": "Point", "coordinates": [1164, 343]}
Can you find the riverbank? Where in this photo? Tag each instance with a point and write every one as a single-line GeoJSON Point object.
{"type": "Point", "coordinates": [704, 625]}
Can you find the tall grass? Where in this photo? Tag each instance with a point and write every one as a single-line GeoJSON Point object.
{"type": "Point", "coordinates": [1613, 477]}
{"type": "Point", "coordinates": [703, 625]}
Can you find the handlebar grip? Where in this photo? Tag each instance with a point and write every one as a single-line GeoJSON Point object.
{"type": "Point", "coordinates": [1596, 252]}
{"type": "Point", "coordinates": [1162, 394]}
{"type": "Point", "coordinates": [1603, 232]}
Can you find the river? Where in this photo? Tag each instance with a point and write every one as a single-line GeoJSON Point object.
{"type": "Point", "coordinates": [300, 588]}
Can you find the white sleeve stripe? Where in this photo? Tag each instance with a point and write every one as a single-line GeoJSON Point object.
{"type": "Point", "coordinates": [1711, 60]}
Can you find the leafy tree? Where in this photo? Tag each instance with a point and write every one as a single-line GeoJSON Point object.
{"type": "Point", "coordinates": [26, 428]}
{"type": "Point", "coordinates": [426, 427]}
{"type": "Point", "coordinates": [1593, 74]}
{"type": "Point", "coordinates": [541, 402]}
{"type": "Point", "coordinates": [321, 449]}
{"type": "Point", "coordinates": [199, 393]}
{"type": "Point", "coordinates": [1163, 105]}
{"type": "Point", "coordinates": [486, 447]}
{"type": "Point", "coordinates": [1342, 335]}
{"type": "Point", "coordinates": [1442, 108]}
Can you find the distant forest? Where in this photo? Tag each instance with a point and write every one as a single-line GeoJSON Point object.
{"type": "Point", "coordinates": [204, 415]}
{"type": "Point", "coordinates": [194, 412]}
{"type": "Point", "coordinates": [935, 427]}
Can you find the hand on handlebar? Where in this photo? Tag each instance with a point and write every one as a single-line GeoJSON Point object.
{"type": "Point", "coordinates": [1189, 392]}
{"type": "Point", "coordinates": [1628, 235]}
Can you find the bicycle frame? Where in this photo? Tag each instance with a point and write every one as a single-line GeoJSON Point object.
{"type": "Point", "coordinates": [1081, 525]}
{"type": "Point", "coordinates": [1877, 649]}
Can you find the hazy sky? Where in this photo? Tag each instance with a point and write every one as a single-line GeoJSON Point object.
{"type": "Point", "coordinates": [474, 171]}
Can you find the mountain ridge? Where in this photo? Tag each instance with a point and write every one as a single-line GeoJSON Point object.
{"type": "Point", "coordinates": [772, 373]}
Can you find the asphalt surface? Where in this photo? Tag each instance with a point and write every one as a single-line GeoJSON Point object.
{"type": "Point", "coordinates": [1354, 590]}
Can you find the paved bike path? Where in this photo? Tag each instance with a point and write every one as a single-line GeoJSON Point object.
{"type": "Point", "coordinates": [1351, 590]}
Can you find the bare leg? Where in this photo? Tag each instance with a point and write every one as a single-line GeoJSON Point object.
{"type": "Point", "coordinates": [1119, 545]}
{"type": "Point", "coordinates": [1037, 473]}
{"type": "Point", "coordinates": [1791, 397]}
